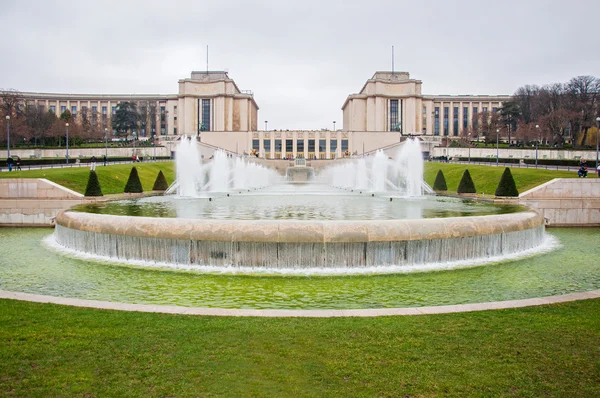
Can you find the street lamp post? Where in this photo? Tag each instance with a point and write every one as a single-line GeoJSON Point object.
{"type": "Point", "coordinates": [8, 135]}
{"type": "Point", "coordinates": [67, 155]}
{"type": "Point", "coordinates": [334, 125]}
{"type": "Point", "coordinates": [105, 145]}
{"type": "Point", "coordinates": [597, 132]}
{"type": "Point", "coordinates": [469, 143]}
{"type": "Point", "coordinates": [497, 135]}
{"type": "Point", "coordinates": [537, 139]}
{"type": "Point", "coordinates": [266, 122]}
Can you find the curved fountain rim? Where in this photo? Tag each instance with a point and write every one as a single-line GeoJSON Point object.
{"type": "Point", "coordinates": [305, 231]}
{"type": "Point", "coordinates": [315, 313]}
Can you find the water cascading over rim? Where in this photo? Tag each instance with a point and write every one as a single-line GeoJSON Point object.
{"type": "Point", "coordinates": [277, 244]}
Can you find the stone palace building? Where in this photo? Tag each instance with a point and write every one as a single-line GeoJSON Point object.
{"type": "Point", "coordinates": [211, 106]}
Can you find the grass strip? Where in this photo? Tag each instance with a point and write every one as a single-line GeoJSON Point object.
{"type": "Point", "coordinates": [50, 350]}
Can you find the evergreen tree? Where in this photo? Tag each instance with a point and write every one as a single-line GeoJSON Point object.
{"type": "Point", "coordinates": [507, 186]}
{"type": "Point", "coordinates": [93, 185]}
{"type": "Point", "coordinates": [440, 182]}
{"type": "Point", "coordinates": [134, 185]}
{"type": "Point", "coordinates": [466, 184]}
{"type": "Point", "coordinates": [161, 182]}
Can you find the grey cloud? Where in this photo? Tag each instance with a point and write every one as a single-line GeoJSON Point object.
{"type": "Point", "coordinates": [301, 59]}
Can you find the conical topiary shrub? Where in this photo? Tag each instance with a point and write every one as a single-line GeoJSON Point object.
{"type": "Point", "coordinates": [507, 186]}
{"type": "Point", "coordinates": [466, 184]}
{"type": "Point", "coordinates": [161, 182]}
{"type": "Point", "coordinates": [93, 185]}
{"type": "Point", "coordinates": [440, 182]}
{"type": "Point", "coordinates": [134, 185]}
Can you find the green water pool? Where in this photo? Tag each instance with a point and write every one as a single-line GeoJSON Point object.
{"type": "Point", "coordinates": [28, 265]}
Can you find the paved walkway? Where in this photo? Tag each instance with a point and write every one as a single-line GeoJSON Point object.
{"type": "Point", "coordinates": [170, 309]}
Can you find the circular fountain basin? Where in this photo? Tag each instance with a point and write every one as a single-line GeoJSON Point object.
{"type": "Point", "coordinates": [299, 244]}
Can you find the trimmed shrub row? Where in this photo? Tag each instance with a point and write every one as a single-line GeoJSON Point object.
{"type": "Point", "coordinates": [133, 185]}
{"type": "Point", "coordinates": [506, 186]}
{"type": "Point", "coordinates": [545, 162]}
{"type": "Point", "coordinates": [61, 161]}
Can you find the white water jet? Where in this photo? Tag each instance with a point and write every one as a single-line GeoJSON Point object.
{"type": "Point", "coordinates": [402, 176]}
{"type": "Point", "coordinates": [187, 163]}
{"type": "Point", "coordinates": [409, 164]}
{"type": "Point", "coordinates": [221, 173]}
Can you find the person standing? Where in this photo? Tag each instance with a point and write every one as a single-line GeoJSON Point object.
{"type": "Point", "coordinates": [104, 160]}
{"type": "Point", "coordinates": [18, 163]}
{"type": "Point", "coordinates": [598, 170]}
{"type": "Point", "coordinates": [10, 162]}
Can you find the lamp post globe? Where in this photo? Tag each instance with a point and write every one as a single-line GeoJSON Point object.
{"type": "Point", "coordinates": [334, 125]}
{"type": "Point", "coordinates": [537, 139]}
{"type": "Point", "coordinates": [266, 122]}
{"type": "Point", "coordinates": [8, 135]}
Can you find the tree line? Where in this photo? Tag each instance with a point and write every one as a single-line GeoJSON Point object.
{"type": "Point", "coordinates": [553, 114]}
{"type": "Point", "coordinates": [32, 124]}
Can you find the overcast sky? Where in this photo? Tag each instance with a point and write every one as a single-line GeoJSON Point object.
{"type": "Point", "coordinates": [300, 58]}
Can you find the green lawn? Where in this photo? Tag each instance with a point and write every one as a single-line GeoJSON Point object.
{"type": "Point", "coordinates": [50, 350]}
{"type": "Point", "coordinates": [112, 178]}
{"type": "Point", "coordinates": [486, 178]}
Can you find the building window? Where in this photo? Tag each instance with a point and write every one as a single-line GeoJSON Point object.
{"type": "Point", "coordinates": [455, 121]}
{"type": "Point", "coordinates": [73, 110]}
{"type": "Point", "coordinates": [104, 110]}
{"type": "Point", "coordinates": [277, 145]}
{"type": "Point", "coordinates": [465, 117]}
{"type": "Point", "coordinates": [475, 117]}
{"type": "Point", "coordinates": [333, 144]}
{"type": "Point", "coordinates": [344, 146]}
{"type": "Point", "coordinates": [53, 108]}
{"type": "Point", "coordinates": [424, 128]}
{"type": "Point", "coordinates": [394, 120]}
{"type": "Point", "coordinates": [267, 145]}
{"type": "Point", "coordinates": [63, 109]}
{"type": "Point", "coordinates": [323, 146]}
{"type": "Point", "coordinates": [256, 145]}
{"type": "Point", "coordinates": [289, 145]}
{"type": "Point", "coordinates": [311, 145]}
{"type": "Point", "coordinates": [446, 111]}
{"type": "Point", "coordinates": [300, 146]}
{"type": "Point", "coordinates": [436, 121]}
{"type": "Point", "coordinates": [175, 130]}
{"type": "Point", "coordinates": [114, 110]}
{"type": "Point", "coordinates": [494, 109]}
{"type": "Point", "coordinates": [94, 108]}
{"type": "Point", "coordinates": [205, 124]}
{"type": "Point", "coordinates": [163, 131]}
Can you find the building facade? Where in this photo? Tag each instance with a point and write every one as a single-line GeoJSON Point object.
{"type": "Point", "coordinates": [392, 101]}
{"type": "Point", "coordinates": [211, 106]}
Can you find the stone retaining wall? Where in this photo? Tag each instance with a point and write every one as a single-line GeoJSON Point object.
{"type": "Point", "coordinates": [566, 202]}
{"type": "Point", "coordinates": [33, 201]}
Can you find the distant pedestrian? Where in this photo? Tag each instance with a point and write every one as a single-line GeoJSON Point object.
{"type": "Point", "coordinates": [105, 160]}
{"type": "Point", "coordinates": [598, 170]}
{"type": "Point", "coordinates": [93, 163]}
{"type": "Point", "coordinates": [18, 163]}
{"type": "Point", "coordinates": [10, 162]}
